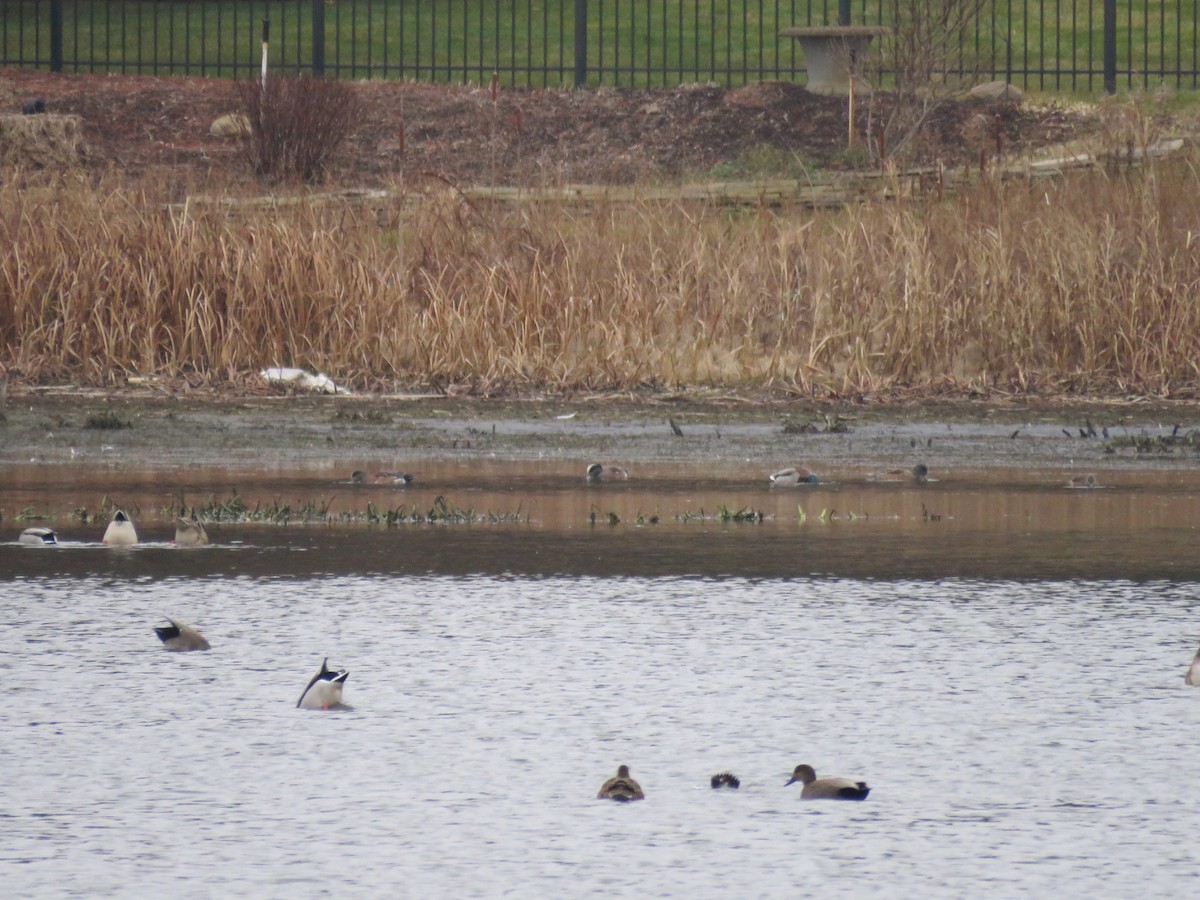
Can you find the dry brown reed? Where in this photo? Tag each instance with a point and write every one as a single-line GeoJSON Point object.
{"type": "Point", "coordinates": [1090, 284]}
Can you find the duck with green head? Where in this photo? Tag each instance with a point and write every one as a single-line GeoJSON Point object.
{"type": "Point", "coordinates": [794, 476]}
{"type": "Point", "coordinates": [38, 536]}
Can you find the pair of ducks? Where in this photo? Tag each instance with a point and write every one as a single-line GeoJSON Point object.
{"type": "Point", "coordinates": [324, 689]}
{"type": "Point", "coordinates": [122, 533]}
{"type": "Point", "coordinates": [623, 788]}
{"type": "Point", "coordinates": [797, 475]}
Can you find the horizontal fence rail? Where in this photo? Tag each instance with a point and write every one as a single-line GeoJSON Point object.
{"type": "Point", "coordinates": [1056, 45]}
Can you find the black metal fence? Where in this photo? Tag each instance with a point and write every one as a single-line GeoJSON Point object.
{"type": "Point", "coordinates": [1058, 45]}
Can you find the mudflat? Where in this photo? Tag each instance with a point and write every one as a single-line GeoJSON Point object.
{"type": "Point", "coordinates": [147, 429]}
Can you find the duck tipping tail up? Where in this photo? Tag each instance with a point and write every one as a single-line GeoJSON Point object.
{"type": "Point", "coordinates": [324, 689]}
{"type": "Point", "coordinates": [120, 531]}
{"type": "Point", "coordinates": [178, 636]}
{"type": "Point", "coordinates": [190, 533]}
{"type": "Point", "coordinates": [621, 788]}
{"type": "Point", "coordinates": [1192, 675]}
{"type": "Point", "coordinates": [827, 788]}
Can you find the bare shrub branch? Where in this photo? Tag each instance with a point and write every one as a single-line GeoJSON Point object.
{"type": "Point", "coordinates": [296, 124]}
{"type": "Point", "coordinates": [926, 57]}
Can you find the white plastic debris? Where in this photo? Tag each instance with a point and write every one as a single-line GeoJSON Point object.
{"type": "Point", "coordinates": [319, 382]}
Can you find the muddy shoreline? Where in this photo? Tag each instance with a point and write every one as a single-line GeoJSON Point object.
{"type": "Point", "coordinates": [149, 429]}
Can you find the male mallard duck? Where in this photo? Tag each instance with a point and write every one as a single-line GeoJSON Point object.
{"type": "Point", "coordinates": [1192, 675]}
{"type": "Point", "coordinates": [178, 636]}
{"type": "Point", "coordinates": [1082, 481]}
{"type": "Point", "coordinates": [725, 780]}
{"type": "Point", "coordinates": [120, 531]}
{"type": "Point", "coordinates": [794, 476]}
{"type": "Point", "coordinates": [621, 787]}
{"type": "Point", "coordinates": [37, 536]}
{"type": "Point", "coordinates": [597, 473]}
{"type": "Point", "coordinates": [324, 689]}
{"type": "Point", "coordinates": [189, 532]}
{"type": "Point", "coordinates": [827, 788]}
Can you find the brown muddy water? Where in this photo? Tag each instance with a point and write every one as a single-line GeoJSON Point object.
{"type": "Point", "coordinates": [999, 505]}
{"type": "Point", "coordinates": [998, 655]}
{"type": "Point", "coordinates": [667, 519]}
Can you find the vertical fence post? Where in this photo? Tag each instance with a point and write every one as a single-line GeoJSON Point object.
{"type": "Point", "coordinates": [56, 35]}
{"type": "Point", "coordinates": [581, 62]}
{"type": "Point", "coordinates": [318, 28]}
{"type": "Point", "coordinates": [1110, 46]}
{"type": "Point", "coordinates": [843, 12]}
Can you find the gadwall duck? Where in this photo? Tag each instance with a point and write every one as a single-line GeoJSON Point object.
{"type": "Point", "coordinates": [1192, 675]}
{"type": "Point", "coordinates": [37, 536]}
{"type": "Point", "coordinates": [324, 689]}
{"type": "Point", "coordinates": [725, 780]}
{"type": "Point", "coordinates": [178, 636]}
{"type": "Point", "coordinates": [597, 473]}
{"type": "Point", "coordinates": [621, 787]}
{"type": "Point", "coordinates": [120, 531]}
{"type": "Point", "coordinates": [827, 788]}
{"type": "Point", "coordinates": [189, 532]}
{"type": "Point", "coordinates": [1082, 481]}
{"type": "Point", "coordinates": [794, 476]}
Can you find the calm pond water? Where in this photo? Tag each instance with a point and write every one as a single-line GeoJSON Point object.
{"type": "Point", "coordinates": [999, 657]}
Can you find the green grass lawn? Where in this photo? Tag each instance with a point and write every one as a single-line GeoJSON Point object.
{"type": "Point", "coordinates": [1046, 44]}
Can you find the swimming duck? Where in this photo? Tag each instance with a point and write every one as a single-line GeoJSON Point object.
{"type": "Point", "coordinates": [597, 473]}
{"type": "Point", "coordinates": [189, 532]}
{"type": "Point", "coordinates": [178, 636]}
{"type": "Point", "coordinates": [358, 476]}
{"type": "Point", "coordinates": [1192, 675]}
{"type": "Point", "coordinates": [827, 788]}
{"type": "Point", "coordinates": [725, 780]}
{"type": "Point", "coordinates": [918, 473]}
{"type": "Point", "coordinates": [1082, 481]}
{"type": "Point", "coordinates": [120, 531]}
{"type": "Point", "coordinates": [621, 787]}
{"type": "Point", "coordinates": [37, 536]}
{"type": "Point", "coordinates": [794, 476]}
{"type": "Point", "coordinates": [401, 478]}
{"type": "Point", "coordinates": [324, 689]}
